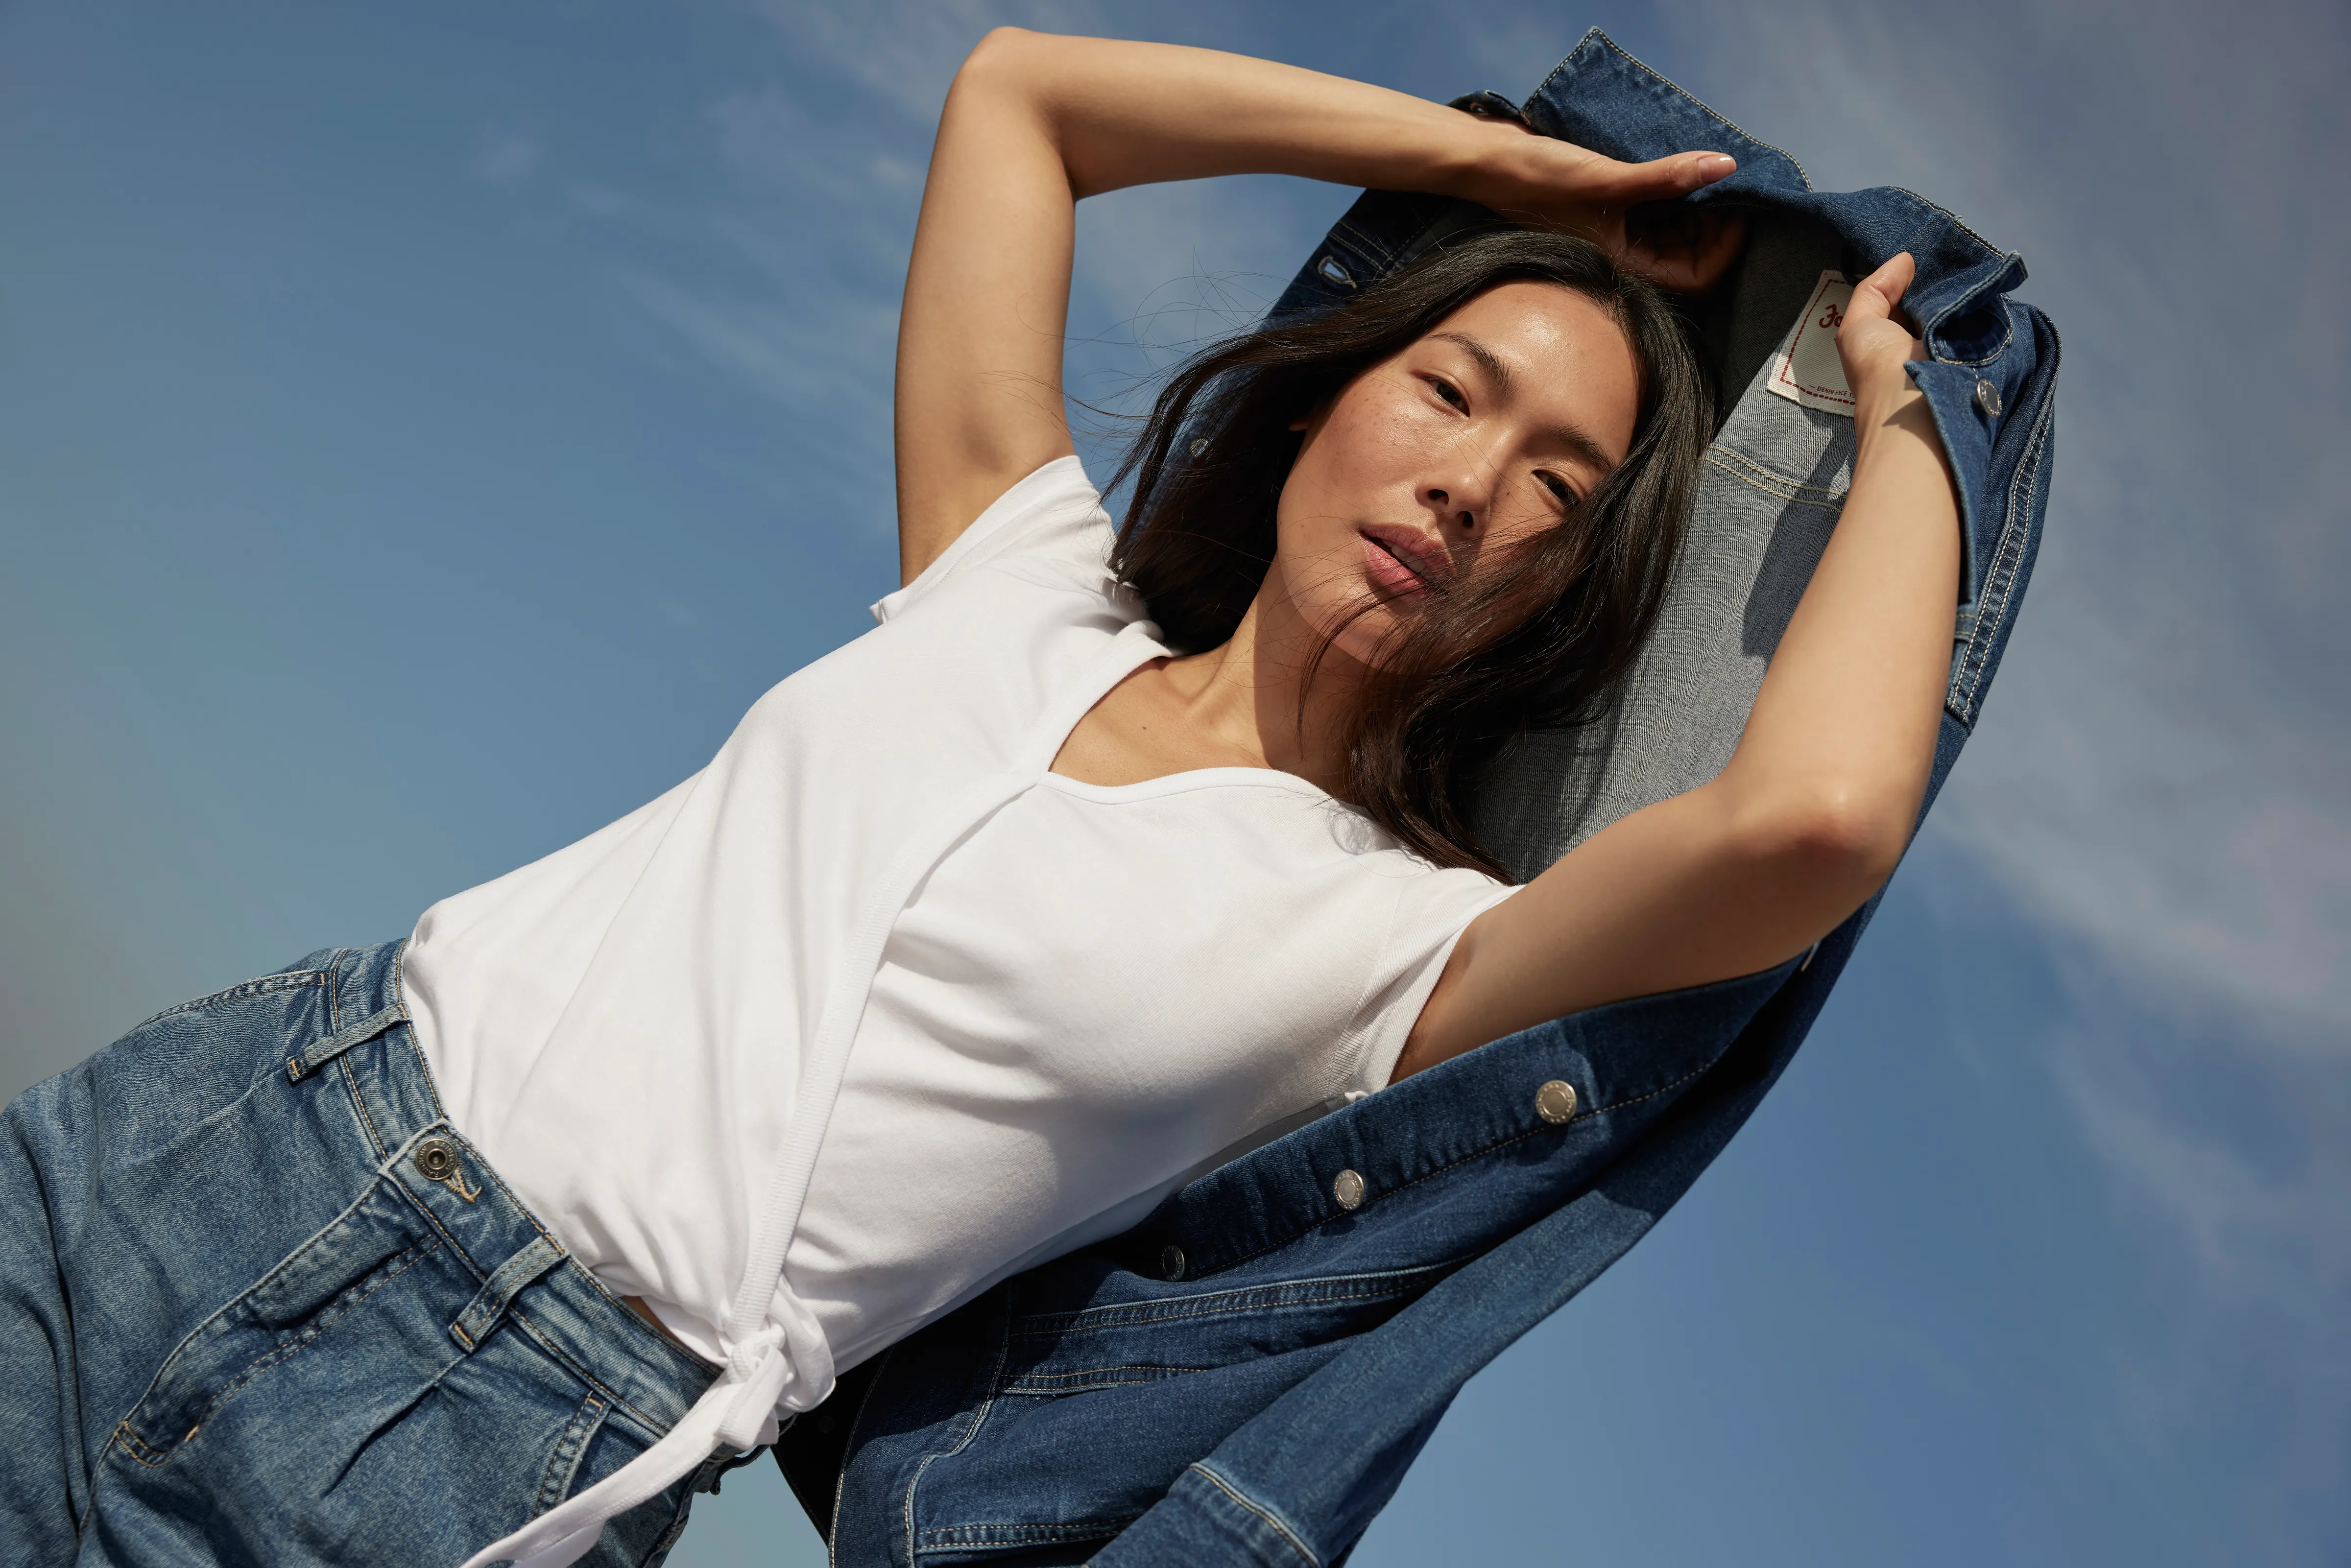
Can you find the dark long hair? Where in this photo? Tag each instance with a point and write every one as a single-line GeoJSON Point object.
{"type": "Point", "coordinates": [1539, 641]}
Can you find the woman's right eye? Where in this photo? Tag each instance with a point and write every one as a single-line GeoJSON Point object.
{"type": "Point", "coordinates": [1449, 393]}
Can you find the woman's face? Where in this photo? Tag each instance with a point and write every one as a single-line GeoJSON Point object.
{"type": "Point", "coordinates": [1472, 440]}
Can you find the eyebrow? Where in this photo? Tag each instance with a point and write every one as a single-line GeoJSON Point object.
{"type": "Point", "coordinates": [1489, 364]}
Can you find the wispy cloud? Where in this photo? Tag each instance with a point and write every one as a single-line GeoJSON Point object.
{"type": "Point", "coordinates": [2165, 770]}
{"type": "Point", "coordinates": [506, 157]}
{"type": "Point", "coordinates": [2160, 786]}
{"type": "Point", "coordinates": [786, 280]}
{"type": "Point", "coordinates": [906, 52]}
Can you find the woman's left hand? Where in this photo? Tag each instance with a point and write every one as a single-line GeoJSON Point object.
{"type": "Point", "coordinates": [1876, 344]}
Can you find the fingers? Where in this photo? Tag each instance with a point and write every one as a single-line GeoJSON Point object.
{"type": "Point", "coordinates": [1665, 178]}
{"type": "Point", "coordinates": [1682, 248]}
{"type": "Point", "coordinates": [1877, 295]}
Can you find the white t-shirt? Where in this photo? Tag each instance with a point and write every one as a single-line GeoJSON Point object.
{"type": "Point", "coordinates": [876, 1009]}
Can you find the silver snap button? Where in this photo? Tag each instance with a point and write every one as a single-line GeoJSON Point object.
{"type": "Point", "coordinates": [436, 1158]}
{"type": "Point", "coordinates": [1347, 1186]}
{"type": "Point", "coordinates": [1556, 1101]}
{"type": "Point", "coordinates": [1171, 1262]}
{"type": "Point", "coordinates": [1987, 398]}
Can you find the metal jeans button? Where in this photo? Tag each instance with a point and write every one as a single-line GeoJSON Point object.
{"type": "Point", "coordinates": [1347, 1186]}
{"type": "Point", "coordinates": [436, 1159]}
{"type": "Point", "coordinates": [1171, 1261]}
{"type": "Point", "coordinates": [1987, 398]}
{"type": "Point", "coordinates": [1555, 1101]}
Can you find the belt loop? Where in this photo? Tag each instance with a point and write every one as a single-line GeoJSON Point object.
{"type": "Point", "coordinates": [504, 1284]}
{"type": "Point", "coordinates": [317, 1056]}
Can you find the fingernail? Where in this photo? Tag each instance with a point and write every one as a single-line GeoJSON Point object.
{"type": "Point", "coordinates": [1715, 166]}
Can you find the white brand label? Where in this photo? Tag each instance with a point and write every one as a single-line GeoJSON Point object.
{"type": "Point", "coordinates": [1807, 370]}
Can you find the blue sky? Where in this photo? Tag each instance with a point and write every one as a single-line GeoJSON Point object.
{"type": "Point", "coordinates": [423, 430]}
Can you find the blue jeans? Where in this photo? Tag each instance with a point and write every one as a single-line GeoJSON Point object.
{"type": "Point", "coordinates": [260, 1303]}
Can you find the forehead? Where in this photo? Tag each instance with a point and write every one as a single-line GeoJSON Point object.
{"type": "Point", "coordinates": [1564, 355]}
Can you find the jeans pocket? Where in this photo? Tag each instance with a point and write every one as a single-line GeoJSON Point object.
{"type": "Point", "coordinates": [563, 1464]}
{"type": "Point", "coordinates": [283, 1314]}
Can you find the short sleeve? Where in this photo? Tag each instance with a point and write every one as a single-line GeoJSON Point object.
{"type": "Point", "coordinates": [1050, 524]}
{"type": "Point", "coordinates": [1433, 910]}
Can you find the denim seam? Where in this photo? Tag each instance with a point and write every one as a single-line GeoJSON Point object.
{"type": "Point", "coordinates": [1957, 222]}
{"type": "Point", "coordinates": [1836, 505]}
{"type": "Point", "coordinates": [1024, 1534]}
{"type": "Point", "coordinates": [490, 1175]}
{"type": "Point", "coordinates": [1765, 470]}
{"type": "Point", "coordinates": [570, 1446]}
{"type": "Point", "coordinates": [280, 1267]}
{"type": "Point", "coordinates": [138, 1448]}
{"type": "Point", "coordinates": [849, 1446]}
{"type": "Point", "coordinates": [1492, 1149]}
{"type": "Point", "coordinates": [1139, 1366]}
{"type": "Point", "coordinates": [1952, 309]}
{"type": "Point", "coordinates": [978, 1418]}
{"type": "Point", "coordinates": [1222, 1485]}
{"type": "Point", "coordinates": [2006, 557]}
{"type": "Point", "coordinates": [481, 1276]}
{"type": "Point", "coordinates": [1377, 251]}
{"type": "Point", "coordinates": [1060, 1385]}
{"type": "Point", "coordinates": [359, 1102]}
{"type": "Point", "coordinates": [260, 985]}
{"type": "Point", "coordinates": [530, 1261]}
{"type": "Point", "coordinates": [651, 1424]}
{"type": "Point", "coordinates": [1146, 1314]}
{"type": "Point", "coordinates": [1614, 48]}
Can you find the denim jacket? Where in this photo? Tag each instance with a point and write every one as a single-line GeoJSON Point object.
{"type": "Point", "coordinates": [1245, 1376]}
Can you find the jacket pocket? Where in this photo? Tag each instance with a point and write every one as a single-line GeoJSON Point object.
{"type": "Point", "coordinates": [1170, 1335]}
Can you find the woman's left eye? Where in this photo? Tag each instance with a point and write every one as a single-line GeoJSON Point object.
{"type": "Point", "coordinates": [1558, 488]}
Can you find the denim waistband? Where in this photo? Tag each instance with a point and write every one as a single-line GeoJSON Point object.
{"type": "Point", "coordinates": [527, 1275]}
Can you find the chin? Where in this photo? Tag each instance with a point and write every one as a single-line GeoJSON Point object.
{"type": "Point", "coordinates": [1367, 639]}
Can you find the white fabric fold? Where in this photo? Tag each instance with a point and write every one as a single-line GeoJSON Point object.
{"type": "Point", "coordinates": [785, 1368]}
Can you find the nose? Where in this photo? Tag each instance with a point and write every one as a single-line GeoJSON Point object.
{"type": "Point", "coordinates": [1457, 504]}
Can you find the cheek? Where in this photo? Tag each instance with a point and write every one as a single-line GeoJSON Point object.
{"type": "Point", "coordinates": [1374, 435]}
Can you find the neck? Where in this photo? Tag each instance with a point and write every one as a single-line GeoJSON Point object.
{"type": "Point", "coordinates": [1264, 693]}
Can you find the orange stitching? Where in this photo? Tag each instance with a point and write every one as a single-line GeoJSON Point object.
{"type": "Point", "coordinates": [342, 1305]}
{"type": "Point", "coordinates": [1279, 1529]}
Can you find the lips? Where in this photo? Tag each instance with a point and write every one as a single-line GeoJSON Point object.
{"type": "Point", "coordinates": [1400, 562]}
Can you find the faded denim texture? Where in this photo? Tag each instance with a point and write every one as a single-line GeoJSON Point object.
{"type": "Point", "coordinates": [240, 1323]}
{"type": "Point", "coordinates": [1245, 1377]}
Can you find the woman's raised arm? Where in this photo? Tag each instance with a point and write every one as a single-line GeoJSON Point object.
{"type": "Point", "coordinates": [1035, 122]}
{"type": "Point", "coordinates": [1816, 805]}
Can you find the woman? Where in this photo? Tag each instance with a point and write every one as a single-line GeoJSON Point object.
{"type": "Point", "coordinates": [1105, 855]}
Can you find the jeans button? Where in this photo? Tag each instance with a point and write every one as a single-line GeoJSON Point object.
{"type": "Point", "coordinates": [1171, 1261]}
{"type": "Point", "coordinates": [1987, 398]}
{"type": "Point", "coordinates": [1555, 1101]}
{"type": "Point", "coordinates": [1347, 1186]}
{"type": "Point", "coordinates": [436, 1159]}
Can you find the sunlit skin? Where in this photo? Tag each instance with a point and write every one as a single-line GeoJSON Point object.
{"type": "Point", "coordinates": [1474, 441]}
{"type": "Point", "coordinates": [1431, 465]}
{"type": "Point", "coordinates": [1476, 438]}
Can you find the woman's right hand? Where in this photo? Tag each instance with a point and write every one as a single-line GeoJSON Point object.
{"type": "Point", "coordinates": [1035, 122]}
{"type": "Point", "coordinates": [1632, 211]}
